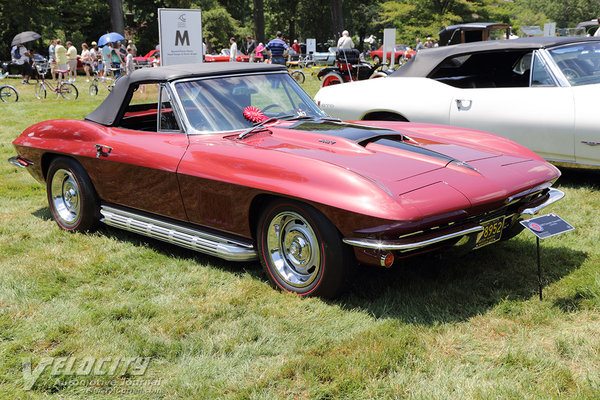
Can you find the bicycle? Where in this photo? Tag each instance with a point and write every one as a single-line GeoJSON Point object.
{"type": "Point", "coordinates": [297, 75]}
{"type": "Point", "coordinates": [65, 89]}
{"type": "Point", "coordinates": [107, 82]}
{"type": "Point", "coordinates": [8, 93]}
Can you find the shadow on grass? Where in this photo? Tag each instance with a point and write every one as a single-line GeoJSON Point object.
{"type": "Point", "coordinates": [429, 289]}
{"type": "Point", "coordinates": [576, 178]}
{"type": "Point", "coordinates": [437, 289]}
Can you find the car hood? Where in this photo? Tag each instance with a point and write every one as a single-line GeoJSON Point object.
{"type": "Point", "coordinates": [402, 161]}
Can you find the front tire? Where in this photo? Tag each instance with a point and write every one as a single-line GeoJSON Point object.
{"type": "Point", "coordinates": [40, 91]}
{"type": "Point", "coordinates": [8, 93]}
{"type": "Point", "coordinates": [93, 90]}
{"type": "Point", "coordinates": [298, 76]}
{"type": "Point", "coordinates": [301, 251]}
{"type": "Point", "coordinates": [71, 196]}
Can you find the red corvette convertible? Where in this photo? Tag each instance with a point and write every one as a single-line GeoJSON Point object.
{"type": "Point", "coordinates": [237, 161]}
{"type": "Point", "coordinates": [402, 50]}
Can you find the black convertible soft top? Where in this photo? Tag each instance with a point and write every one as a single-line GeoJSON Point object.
{"type": "Point", "coordinates": [106, 112]}
{"type": "Point", "coordinates": [426, 60]}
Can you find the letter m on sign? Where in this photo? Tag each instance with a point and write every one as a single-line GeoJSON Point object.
{"type": "Point", "coordinates": [183, 39]}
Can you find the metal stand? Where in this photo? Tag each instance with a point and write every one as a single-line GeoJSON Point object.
{"type": "Point", "coordinates": [539, 265]}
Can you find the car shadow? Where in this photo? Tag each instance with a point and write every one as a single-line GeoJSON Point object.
{"type": "Point", "coordinates": [437, 289]}
{"type": "Point", "coordinates": [576, 178]}
{"type": "Point", "coordinates": [427, 289]}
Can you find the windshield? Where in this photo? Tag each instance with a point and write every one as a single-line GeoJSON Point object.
{"type": "Point", "coordinates": [580, 63]}
{"type": "Point", "coordinates": [223, 104]}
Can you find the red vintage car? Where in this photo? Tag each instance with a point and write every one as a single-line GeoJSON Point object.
{"type": "Point", "coordinates": [402, 52]}
{"type": "Point", "coordinates": [236, 160]}
{"type": "Point", "coordinates": [152, 58]}
{"type": "Point", "coordinates": [224, 57]}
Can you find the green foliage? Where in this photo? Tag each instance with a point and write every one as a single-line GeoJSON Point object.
{"type": "Point", "coordinates": [218, 26]}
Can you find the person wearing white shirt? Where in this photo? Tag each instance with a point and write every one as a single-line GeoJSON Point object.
{"type": "Point", "coordinates": [232, 50]}
{"type": "Point", "coordinates": [20, 56]}
{"type": "Point", "coordinates": [345, 41]}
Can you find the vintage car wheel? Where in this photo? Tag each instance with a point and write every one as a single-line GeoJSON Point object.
{"type": "Point", "coordinates": [378, 74]}
{"type": "Point", "coordinates": [301, 251]}
{"type": "Point", "coordinates": [332, 78]}
{"type": "Point", "coordinates": [71, 196]}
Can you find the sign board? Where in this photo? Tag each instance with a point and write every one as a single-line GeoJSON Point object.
{"type": "Point", "coordinates": [311, 46]}
{"type": "Point", "coordinates": [550, 29]}
{"type": "Point", "coordinates": [389, 45]}
{"type": "Point", "coordinates": [180, 36]}
{"type": "Point", "coordinates": [547, 226]}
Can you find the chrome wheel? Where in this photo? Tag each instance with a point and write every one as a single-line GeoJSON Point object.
{"type": "Point", "coordinates": [65, 196]}
{"type": "Point", "coordinates": [294, 249]}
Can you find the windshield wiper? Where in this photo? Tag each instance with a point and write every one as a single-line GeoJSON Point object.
{"type": "Point", "coordinates": [260, 124]}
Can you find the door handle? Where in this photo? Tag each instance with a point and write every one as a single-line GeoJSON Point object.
{"type": "Point", "coordinates": [464, 105]}
{"type": "Point", "coordinates": [102, 150]}
{"type": "Point", "coordinates": [590, 143]}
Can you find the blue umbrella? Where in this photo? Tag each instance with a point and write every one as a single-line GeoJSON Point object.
{"type": "Point", "coordinates": [110, 38]}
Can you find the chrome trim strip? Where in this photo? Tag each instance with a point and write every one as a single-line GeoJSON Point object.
{"type": "Point", "coordinates": [524, 193]}
{"type": "Point", "coordinates": [554, 195]}
{"type": "Point", "coordinates": [14, 160]}
{"type": "Point", "coordinates": [395, 246]}
{"type": "Point", "coordinates": [204, 242]}
{"type": "Point", "coordinates": [573, 164]}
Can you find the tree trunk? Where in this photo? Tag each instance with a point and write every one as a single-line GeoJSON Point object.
{"type": "Point", "coordinates": [259, 21]}
{"type": "Point", "coordinates": [116, 16]}
{"type": "Point", "coordinates": [337, 18]}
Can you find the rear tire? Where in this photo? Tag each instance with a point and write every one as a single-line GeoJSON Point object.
{"type": "Point", "coordinates": [301, 251]}
{"type": "Point", "coordinates": [71, 196]}
{"type": "Point", "coordinates": [68, 91]}
{"type": "Point", "coordinates": [332, 78]}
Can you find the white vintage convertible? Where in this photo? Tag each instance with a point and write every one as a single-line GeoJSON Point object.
{"type": "Point", "coordinates": [541, 92]}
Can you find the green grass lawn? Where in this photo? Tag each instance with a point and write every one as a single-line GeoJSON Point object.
{"type": "Point", "coordinates": [431, 328]}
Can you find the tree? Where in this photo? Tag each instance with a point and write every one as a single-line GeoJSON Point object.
{"type": "Point", "coordinates": [116, 16]}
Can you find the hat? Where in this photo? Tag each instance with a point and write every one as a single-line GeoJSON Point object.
{"type": "Point", "coordinates": [428, 38]}
{"type": "Point", "coordinates": [131, 41]}
{"type": "Point", "coordinates": [94, 43]}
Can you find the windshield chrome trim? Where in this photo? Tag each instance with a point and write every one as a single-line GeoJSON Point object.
{"type": "Point", "coordinates": [555, 72]}
{"type": "Point", "coordinates": [188, 126]}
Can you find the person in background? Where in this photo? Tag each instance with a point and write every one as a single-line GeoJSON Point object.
{"type": "Point", "coordinates": [296, 47]}
{"type": "Point", "coordinates": [116, 59]}
{"type": "Point", "coordinates": [131, 46]}
{"type": "Point", "coordinates": [597, 33]}
{"type": "Point", "coordinates": [129, 64]}
{"type": "Point", "coordinates": [86, 59]}
{"type": "Point", "coordinates": [52, 58]}
{"type": "Point", "coordinates": [260, 49]}
{"type": "Point", "coordinates": [72, 61]}
{"type": "Point", "coordinates": [106, 58]}
{"type": "Point", "coordinates": [94, 55]}
{"type": "Point", "coordinates": [232, 50]}
{"type": "Point", "coordinates": [419, 45]}
{"type": "Point", "coordinates": [277, 49]}
{"type": "Point", "coordinates": [61, 59]}
{"type": "Point", "coordinates": [428, 44]}
{"type": "Point", "coordinates": [345, 41]}
{"type": "Point", "coordinates": [20, 56]}
{"type": "Point", "coordinates": [251, 48]}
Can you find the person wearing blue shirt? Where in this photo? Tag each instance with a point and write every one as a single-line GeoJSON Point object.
{"type": "Point", "coordinates": [278, 49]}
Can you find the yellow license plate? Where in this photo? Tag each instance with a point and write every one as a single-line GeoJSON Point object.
{"type": "Point", "coordinates": [492, 232]}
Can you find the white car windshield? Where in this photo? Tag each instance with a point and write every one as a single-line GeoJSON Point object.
{"type": "Point", "coordinates": [580, 63]}
{"type": "Point", "coordinates": [238, 102]}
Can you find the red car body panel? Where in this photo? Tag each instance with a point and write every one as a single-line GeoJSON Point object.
{"type": "Point", "coordinates": [399, 54]}
{"type": "Point", "coordinates": [212, 180]}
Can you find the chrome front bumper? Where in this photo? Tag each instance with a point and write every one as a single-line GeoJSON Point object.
{"type": "Point", "coordinates": [410, 244]}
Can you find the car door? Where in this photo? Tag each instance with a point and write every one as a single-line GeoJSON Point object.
{"type": "Point", "coordinates": [539, 116]}
{"type": "Point", "coordinates": [587, 133]}
{"type": "Point", "coordinates": [138, 159]}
